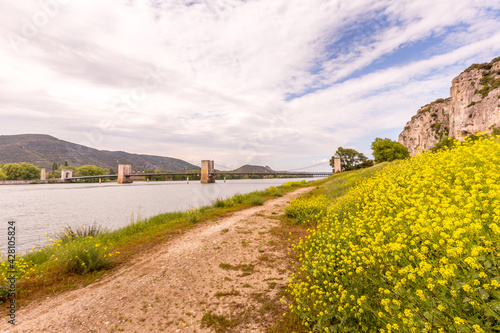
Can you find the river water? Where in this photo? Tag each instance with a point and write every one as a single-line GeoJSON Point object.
{"type": "Point", "coordinates": [40, 211]}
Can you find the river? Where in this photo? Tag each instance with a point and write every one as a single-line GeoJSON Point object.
{"type": "Point", "coordinates": [40, 211]}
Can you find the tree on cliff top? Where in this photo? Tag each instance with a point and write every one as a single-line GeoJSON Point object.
{"type": "Point", "coordinates": [388, 150]}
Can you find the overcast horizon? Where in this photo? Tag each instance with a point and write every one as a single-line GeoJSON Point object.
{"type": "Point", "coordinates": [276, 82]}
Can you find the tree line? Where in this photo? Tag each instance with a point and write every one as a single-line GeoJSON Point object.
{"type": "Point", "coordinates": [383, 150]}
{"type": "Point", "coordinates": [28, 171]}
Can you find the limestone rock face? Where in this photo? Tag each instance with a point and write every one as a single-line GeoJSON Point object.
{"type": "Point", "coordinates": [473, 106]}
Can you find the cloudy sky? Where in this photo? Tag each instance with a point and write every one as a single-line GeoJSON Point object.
{"type": "Point", "coordinates": [272, 82]}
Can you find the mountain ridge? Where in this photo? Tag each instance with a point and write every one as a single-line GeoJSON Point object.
{"type": "Point", "coordinates": [42, 150]}
{"type": "Point", "coordinates": [253, 168]}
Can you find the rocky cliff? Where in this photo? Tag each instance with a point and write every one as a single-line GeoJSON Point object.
{"type": "Point", "coordinates": [473, 106]}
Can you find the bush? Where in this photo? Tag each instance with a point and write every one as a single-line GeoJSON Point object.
{"type": "Point", "coordinates": [68, 234]}
{"type": "Point", "coordinates": [413, 249]}
{"type": "Point", "coordinates": [83, 256]}
{"type": "Point", "coordinates": [256, 200]}
{"type": "Point", "coordinates": [221, 203]}
{"type": "Point", "coordinates": [444, 143]}
{"type": "Point", "coordinates": [305, 209]}
{"type": "Point", "coordinates": [274, 191]}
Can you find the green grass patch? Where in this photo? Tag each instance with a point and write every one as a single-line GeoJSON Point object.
{"type": "Point", "coordinates": [218, 322]}
{"type": "Point", "coordinates": [228, 293]}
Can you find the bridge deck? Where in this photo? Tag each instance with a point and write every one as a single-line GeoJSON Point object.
{"type": "Point", "coordinates": [214, 173]}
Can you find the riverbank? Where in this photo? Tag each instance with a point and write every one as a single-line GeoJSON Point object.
{"type": "Point", "coordinates": [48, 270]}
{"type": "Point", "coordinates": [40, 211]}
{"type": "Point", "coordinates": [225, 273]}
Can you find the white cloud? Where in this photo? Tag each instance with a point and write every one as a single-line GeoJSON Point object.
{"type": "Point", "coordinates": [224, 70]}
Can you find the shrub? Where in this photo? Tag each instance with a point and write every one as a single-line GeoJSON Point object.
{"type": "Point", "coordinates": [69, 234]}
{"type": "Point", "coordinates": [305, 209]}
{"type": "Point", "coordinates": [193, 215]}
{"type": "Point", "coordinates": [274, 191]}
{"type": "Point", "coordinates": [413, 249]}
{"type": "Point", "coordinates": [256, 200]}
{"type": "Point", "coordinates": [220, 203]}
{"type": "Point", "coordinates": [83, 256]}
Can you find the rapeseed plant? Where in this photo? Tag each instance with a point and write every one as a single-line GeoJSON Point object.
{"type": "Point", "coordinates": [306, 209]}
{"type": "Point", "coordinates": [413, 249]}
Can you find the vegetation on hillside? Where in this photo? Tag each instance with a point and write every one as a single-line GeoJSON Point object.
{"type": "Point", "coordinates": [415, 248]}
{"type": "Point", "coordinates": [483, 66]}
{"type": "Point", "coordinates": [450, 142]}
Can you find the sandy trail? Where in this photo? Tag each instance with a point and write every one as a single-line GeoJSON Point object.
{"type": "Point", "coordinates": [171, 288]}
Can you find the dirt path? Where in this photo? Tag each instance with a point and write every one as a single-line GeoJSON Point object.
{"type": "Point", "coordinates": [224, 274]}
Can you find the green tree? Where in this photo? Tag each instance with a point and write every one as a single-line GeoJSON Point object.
{"type": "Point", "coordinates": [90, 170]}
{"type": "Point", "coordinates": [386, 150]}
{"type": "Point", "coordinates": [112, 171]}
{"type": "Point", "coordinates": [2, 175]}
{"type": "Point", "coordinates": [65, 163]}
{"type": "Point", "coordinates": [350, 158]}
{"type": "Point", "coordinates": [55, 166]}
{"type": "Point", "coordinates": [23, 171]}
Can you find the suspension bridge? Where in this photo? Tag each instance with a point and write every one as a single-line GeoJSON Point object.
{"type": "Point", "coordinates": [207, 173]}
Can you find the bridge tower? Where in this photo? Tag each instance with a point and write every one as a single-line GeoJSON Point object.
{"type": "Point", "coordinates": [123, 170]}
{"type": "Point", "coordinates": [42, 175]}
{"type": "Point", "coordinates": [66, 173]}
{"type": "Point", "coordinates": [207, 169]}
{"type": "Point", "coordinates": [337, 165]}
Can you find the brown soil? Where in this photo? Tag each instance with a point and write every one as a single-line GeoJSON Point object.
{"type": "Point", "coordinates": [220, 276]}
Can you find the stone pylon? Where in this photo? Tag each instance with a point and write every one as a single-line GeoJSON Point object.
{"type": "Point", "coordinates": [124, 170]}
{"type": "Point", "coordinates": [207, 169]}
{"type": "Point", "coordinates": [337, 165]}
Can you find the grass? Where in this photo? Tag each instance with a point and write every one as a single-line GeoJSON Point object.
{"type": "Point", "coordinates": [53, 269]}
{"type": "Point", "coordinates": [229, 293]}
{"type": "Point", "coordinates": [227, 266]}
{"type": "Point", "coordinates": [246, 269]}
{"type": "Point", "coordinates": [218, 323]}
{"type": "Point", "coordinates": [69, 234]}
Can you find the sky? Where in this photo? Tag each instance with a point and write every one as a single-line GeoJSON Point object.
{"type": "Point", "coordinates": [282, 83]}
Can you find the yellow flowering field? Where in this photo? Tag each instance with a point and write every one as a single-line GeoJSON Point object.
{"type": "Point", "coordinates": [413, 249]}
{"type": "Point", "coordinates": [304, 209]}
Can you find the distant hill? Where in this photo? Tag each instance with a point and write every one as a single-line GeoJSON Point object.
{"type": "Point", "coordinates": [253, 168]}
{"type": "Point", "coordinates": [42, 150]}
